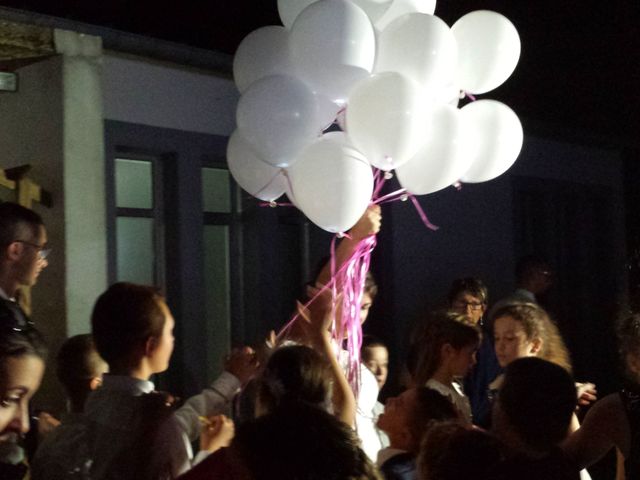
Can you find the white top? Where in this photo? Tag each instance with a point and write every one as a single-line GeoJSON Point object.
{"type": "Point", "coordinates": [455, 393]}
{"type": "Point", "coordinates": [365, 414]}
{"type": "Point", "coordinates": [111, 414]}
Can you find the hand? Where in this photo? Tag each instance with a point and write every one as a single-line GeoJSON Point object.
{"type": "Point", "coordinates": [369, 223]}
{"type": "Point", "coordinates": [217, 433]}
{"type": "Point", "coordinates": [243, 363]}
{"type": "Point", "coordinates": [46, 424]}
{"type": "Point", "coordinates": [586, 393]}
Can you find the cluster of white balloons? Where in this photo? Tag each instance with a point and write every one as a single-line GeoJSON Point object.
{"type": "Point", "coordinates": [391, 73]}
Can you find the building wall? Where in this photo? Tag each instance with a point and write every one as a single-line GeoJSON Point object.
{"type": "Point", "coordinates": [160, 95]}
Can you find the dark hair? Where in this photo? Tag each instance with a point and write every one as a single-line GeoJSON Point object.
{"type": "Point", "coordinates": [472, 286]}
{"type": "Point", "coordinates": [370, 285]}
{"type": "Point", "coordinates": [628, 332]}
{"type": "Point", "coordinates": [295, 373]}
{"type": "Point", "coordinates": [13, 219]}
{"type": "Point", "coordinates": [452, 451]}
{"type": "Point", "coordinates": [123, 319]}
{"type": "Point", "coordinates": [77, 363]}
{"type": "Point", "coordinates": [538, 398]}
{"type": "Point", "coordinates": [369, 341]}
{"type": "Point", "coordinates": [21, 343]}
{"type": "Point", "coordinates": [537, 324]}
{"type": "Point", "coordinates": [528, 265]}
{"type": "Point", "coordinates": [302, 442]}
{"type": "Point", "coordinates": [430, 407]}
{"type": "Point", "coordinates": [441, 328]}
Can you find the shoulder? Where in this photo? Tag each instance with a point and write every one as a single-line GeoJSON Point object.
{"type": "Point", "coordinates": [401, 466]}
{"type": "Point", "coordinates": [609, 409]}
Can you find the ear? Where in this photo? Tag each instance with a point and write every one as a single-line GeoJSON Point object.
{"type": "Point", "coordinates": [446, 350]}
{"type": "Point", "coordinates": [536, 346]}
{"type": "Point", "coordinates": [150, 346]}
{"type": "Point", "coordinates": [13, 251]}
{"type": "Point", "coordinates": [94, 383]}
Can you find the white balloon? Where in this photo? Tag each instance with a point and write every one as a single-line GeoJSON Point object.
{"type": "Point", "coordinates": [386, 119]}
{"type": "Point", "coordinates": [332, 184]}
{"type": "Point", "coordinates": [488, 50]}
{"type": "Point", "coordinates": [328, 111]}
{"type": "Point", "coordinates": [290, 9]}
{"type": "Point", "coordinates": [420, 47]}
{"type": "Point", "coordinates": [278, 115]}
{"type": "Point", "coordinates": [332, 47]}
{"type": "Point", "coordinates": [444, 157]}
{"type": "Point", "coordinates": [255, 176]}
{"type": "Point", "coordinates": [498, 136]}
{"type": "Point", "coordinates": [374, 8]}
{"type": "Point", "coordinates": [399, 8]}
{"type": "Point", "coordinates": [263, 52]}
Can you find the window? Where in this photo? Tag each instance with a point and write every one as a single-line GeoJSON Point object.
{"type": "Point", "coordinates": [217, 221]}
{"type": "Point", "coordinates": [138, 225]}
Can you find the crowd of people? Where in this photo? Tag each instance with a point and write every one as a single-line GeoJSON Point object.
{"type": "Point", "coordinates": [489, 393]}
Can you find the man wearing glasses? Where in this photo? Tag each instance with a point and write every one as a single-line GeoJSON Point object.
{"type": "Point", "coordinates": [23, 252]}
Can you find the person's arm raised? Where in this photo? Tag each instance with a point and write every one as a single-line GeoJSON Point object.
{"type": "Point", "coordinates": [369, 224]}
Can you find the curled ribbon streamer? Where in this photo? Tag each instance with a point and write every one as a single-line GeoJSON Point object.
{"type": "Point", "coordinates": [423, 215]}
{"type": "Point", "coordinates": [349, 279]}
{"type": "Point", "coordinates": [397, 195]}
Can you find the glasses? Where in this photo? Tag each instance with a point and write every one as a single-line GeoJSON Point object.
{"type": "Point", "coordinates": [473, 305]}
{"type": "Point", "coordinates": [43, 251]}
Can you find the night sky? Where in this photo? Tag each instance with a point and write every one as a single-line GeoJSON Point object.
{"type": "Point", "coordinates": [579, 72]}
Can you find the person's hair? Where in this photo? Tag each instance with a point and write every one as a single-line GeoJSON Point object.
{"type": "Point", "coordinates": [303, 442]}
{"type": "Point", "coordinates": [537, 324]}
{"type": "Point", "coordinates": [27, 342]}
{"type": "Point", "coordinates": [441, 328]}
{"type": "Point", "coordinates": [14, 219]}
{"type": "Point", "coordinates": [369, 341]}
{"type": "Point", "coordinates": [123, 319]}
{"type": "Point", "coordinates": [77, 363]}
{"type": "Point", "coordinates": [538, 399]}
{"type": "Point", "coordinates": [472, 286]}
{"type": "Point", "coordinates": [295, 373]}
{"type": "Point", "coordinates": [628, 332]}
{"type": "Point", "coordinates": [370, 285]}
{"type": "Point", "coordinates": [452, 451]}
{"type": "Point", "coordinates": [528, 265]}
{"type": "Point", "coordinates": [430, 407]}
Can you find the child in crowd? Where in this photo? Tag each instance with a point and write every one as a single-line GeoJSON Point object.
{"type": "Point", "coordinates": [469, 297]}
{"type": "Point", "coordinates": [79, 369]}
{"type": "Point", "coordinates": [405, 420]}
{"type": "Point", "coordinates": [298, 379]}
{"type": "Point", "coordinates": [129, 430]}
{"type": "Point", "coordinates": [531, 417]}
{"type": "Point", "coordinates": [22, 363]}
{"type": "Point", "coordinates": [615, 420]}
{"type": "Point", "coordinates": [525, 330]}
{"type": "Point", "coordinates": [446, 351]}
{"type": "Point", "coordinates": [375, 356]}
{"type": "Point", "coordinates": [452, 451]}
